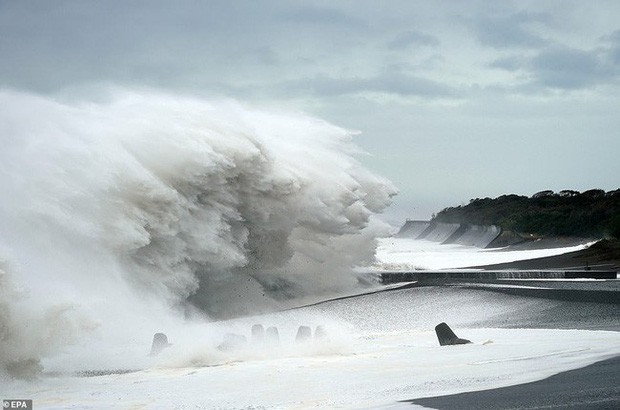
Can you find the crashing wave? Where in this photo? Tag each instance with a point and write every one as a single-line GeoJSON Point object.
{"type": "Point", "coordinates": [147, 202]}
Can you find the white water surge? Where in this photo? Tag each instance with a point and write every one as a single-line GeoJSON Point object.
{"type": "Point", "coordinates": [144, 210]}
{"type": "Point", "coordinates": [379, 349]}
{"type": "Point", "coordinates": [405, 254]}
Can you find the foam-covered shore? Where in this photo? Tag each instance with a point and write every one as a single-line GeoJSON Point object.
{"type": "Point", "coordinates": [552, 252]}
{"type": "Point", "coordinates": [600, 255]}
{"type": "Point", "coordinates": [405, 254]}
{"type": "Point", "coordinates": [381, 349]}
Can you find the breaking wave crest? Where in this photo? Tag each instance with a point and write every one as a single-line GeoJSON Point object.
{"type": "Point", "coordinates": [119, 214]}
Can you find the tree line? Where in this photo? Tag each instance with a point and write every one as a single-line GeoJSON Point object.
{"type": "Point", "coordinates": [593, 213]}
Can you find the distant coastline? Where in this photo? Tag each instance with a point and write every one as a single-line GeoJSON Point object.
{"type": "Point", "coordinates": [545, 220]}
{"type": "Point", "coordinates": [590, 214]}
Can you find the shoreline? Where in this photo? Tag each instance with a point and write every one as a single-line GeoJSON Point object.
{"type": "Point", "coordinates": [590, 387]}
{"type": "Point", "coordinates": [516, 354]}
{"type": "Point", "coordinates": [603, 255]}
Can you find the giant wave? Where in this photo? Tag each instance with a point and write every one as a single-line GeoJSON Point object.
{"type": "Point", "coordinates": [126, 213]}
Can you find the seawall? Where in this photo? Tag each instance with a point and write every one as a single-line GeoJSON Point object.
{"type": "Point", "coordinates": [450, 233]}
{"type": "Point", "coordinates": [442, 275]}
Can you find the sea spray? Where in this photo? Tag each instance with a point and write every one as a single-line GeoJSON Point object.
{"type": "Point", "coordinates": [28, 333]}
{"type": "Point", "coordinates": [119, 216]}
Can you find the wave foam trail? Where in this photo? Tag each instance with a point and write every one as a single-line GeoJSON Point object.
{"type": "Point", "coordinates": [115, 214]}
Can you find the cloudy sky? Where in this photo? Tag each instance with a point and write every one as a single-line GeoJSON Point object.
{"type": "Point", "coordinates": [454, 99]}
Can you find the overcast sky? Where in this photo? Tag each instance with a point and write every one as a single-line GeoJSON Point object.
{"type": "Point", "coordinates": [454, 99]}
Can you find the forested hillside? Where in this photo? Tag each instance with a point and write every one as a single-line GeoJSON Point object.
{"type": "Point", "coordinates": [594, 213]}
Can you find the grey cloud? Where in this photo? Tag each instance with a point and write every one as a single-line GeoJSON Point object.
{"type": "Point", "coordinates": [197, 46]}
{"type": "Point", "coordinates": [412, 38]}
{"type": "Point", "coordinates": [565, 68]}
{"type": "Point", "coordinates": [509, 31]}
{"type": "Point", "coordinates": [569, 68]}
{"type": "Point", "coordinates": [321, 15]}
{"type": "Point", "coordinates": [613, 52]}
{"type": "Point", "coordinates": [202, 46]}
{"type": "Point", "coordinates": [400, 84]}
{"type": "Point", "coordinates": [507, 63]}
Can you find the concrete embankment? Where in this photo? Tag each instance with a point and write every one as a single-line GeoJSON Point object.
{"type": "Point", "coordinates": [450, 233]}
{"type": "Point", "coordinates": [532, 284]}
{"type": "Point", "coordinates": [412, 229]}
{"type": "Point", "coordinates": [447, 275]}
{"type": "Point", "coordinates": [481, 236]}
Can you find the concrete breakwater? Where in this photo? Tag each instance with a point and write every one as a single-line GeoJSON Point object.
{"type": "Point", "coordinates": [442, 275]}
{"type": "Point", "coordinates": [450, 233]}
{"type": "Point", "coordinates": [534, 283]}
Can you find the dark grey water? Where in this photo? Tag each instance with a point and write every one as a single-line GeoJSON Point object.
{"type": "Point", "coordinates": [492, 304]}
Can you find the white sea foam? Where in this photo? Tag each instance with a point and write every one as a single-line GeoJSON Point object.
{"type": "Point", "coordinates": [404, 254]}
{"type": "Point", "coordinates": [379, 349]}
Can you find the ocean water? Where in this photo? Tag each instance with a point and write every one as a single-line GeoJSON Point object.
{"type": "Point", "coordinates": [378, 350]}
{"type": "Point", "coordinates": [141, 213]}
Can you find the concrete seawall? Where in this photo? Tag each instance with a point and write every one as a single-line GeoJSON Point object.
{"type": "Point", "coordinates": [412, 229]}
{"type": "Point", "coordinates": [520, 283]}
{"type": "Point", "coordinates": [449, 233]}
{"type": "Point", "coordinates": [426, 275]}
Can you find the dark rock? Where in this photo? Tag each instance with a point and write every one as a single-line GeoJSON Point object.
{"type": "Point", "coordinates": [258, 333]}
{"type": "Point", "coordinates": [320, 333]}
{"type": "Point", "coordinates": [304, 334]}
{"type": "Point", "coordinates": [447, 337]}
{"type": "Point", "coordinates": [26, 369]}
{"type": "Point", "coordinates": [160, 342]}
{"type": "Point", "coordinates": [272, 335]}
